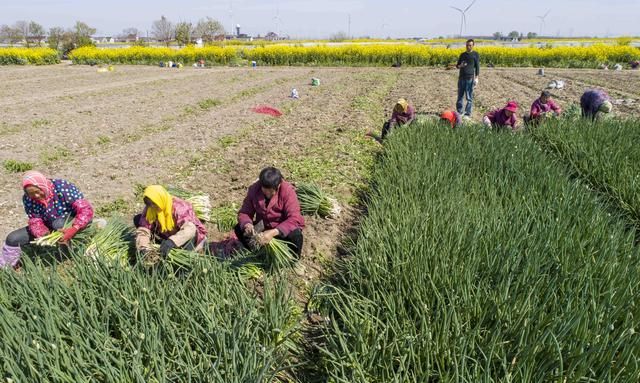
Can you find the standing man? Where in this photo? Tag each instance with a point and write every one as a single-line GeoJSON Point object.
{"type": "Point", "coordinates": [469, 65]}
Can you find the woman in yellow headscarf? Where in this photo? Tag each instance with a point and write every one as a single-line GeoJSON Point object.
{"type": "Point", "coordinates": [169, 220]}
{"type": "Point", "coordinates": [403, 113]}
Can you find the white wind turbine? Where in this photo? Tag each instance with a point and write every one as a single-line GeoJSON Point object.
{"type": "Point", "coordinates": [463, 14]}
{"type": "Point", "coordinates": [542, 21]}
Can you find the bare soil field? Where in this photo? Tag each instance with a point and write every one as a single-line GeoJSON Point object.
{"type": "Point", "coordinates": [112, 132]}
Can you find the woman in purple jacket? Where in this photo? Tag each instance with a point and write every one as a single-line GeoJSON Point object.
{"type": "Point", "coordinates": [505, 117]}
{"type": "Point", "coordinates": [271, 204]}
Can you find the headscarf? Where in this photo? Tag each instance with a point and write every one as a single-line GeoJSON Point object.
{"type": "Point", "coordinates": [402, 106]}
{"type": "Point", "coordinates": [511, 106]}
{"type": "Point", "coordinates": [449, 116]}
{"type": "Point", "coordinates": [37, 179]}
{"type": "Point", "coordinates": [164, 211]}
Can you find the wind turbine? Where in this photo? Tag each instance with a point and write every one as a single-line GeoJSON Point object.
{"type": "Point", "coordinates": [277, 20]}
{"type": "Point", "coordinates": [463, 14]}
{"type": "Point", "coordinates": [542, 21]}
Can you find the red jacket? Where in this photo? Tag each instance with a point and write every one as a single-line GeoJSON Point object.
{"type": "Point", "coordinates": [283, 212]}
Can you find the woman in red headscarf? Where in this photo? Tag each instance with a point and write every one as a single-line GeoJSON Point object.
{"type": "Point", "coordinates": [48, 204]}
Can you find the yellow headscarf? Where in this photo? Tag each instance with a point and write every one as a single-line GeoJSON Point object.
{"type": "Point", "coordinates": [401, 106]}
{"type": "Point", "coordinates": [164, 211]}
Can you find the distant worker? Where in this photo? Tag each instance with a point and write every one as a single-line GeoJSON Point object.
{"type": "Point", "coordinates": [469, 65]}
{"type": "Point", "coordinates": [169, 221]}
{"type": "Point", "coordinates": [403, 114]}
{"type": "Point", "coordinates": [542, 106]}
{"type": "Point", "coordinates": [452, 118]}
{"type": "Point", "coordinates": [594, 103]}
{"type": "Point", "coordinates": [49, 203]}
{"type": "Point", "coordinates": [504, 117]}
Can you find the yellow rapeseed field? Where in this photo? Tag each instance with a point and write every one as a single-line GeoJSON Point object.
{"type": "Point", "coordinates": [150, 55]}
{"type": "Point", "coordinates": [22, 56]}
{"type": "Point", "coordinates": [365, 55]}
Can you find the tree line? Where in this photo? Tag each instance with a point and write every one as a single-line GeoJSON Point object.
{"type": "Point", "coordinates": [31, 33]}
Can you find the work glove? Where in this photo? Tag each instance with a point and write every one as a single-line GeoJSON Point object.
{"type": "Point", "coordinates": [67, 234]}
{"type": "Point", "coordinates": [166, 246]}
{"type": "Point", "coordinates": [475, 81]}
{"type": "Point", "coordinates": [249, 230]}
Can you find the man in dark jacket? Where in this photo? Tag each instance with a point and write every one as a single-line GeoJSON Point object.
{"type": "Point", "coordinates": [469, 65]}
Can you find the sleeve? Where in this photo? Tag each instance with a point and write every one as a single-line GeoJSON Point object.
{"type": "Point", "coordinates": [394, 118]}
{"type": "Point", "coordinates": [459, 60]}
{"type": "Point", "coordinates": [412, 114]}
{"type": "Point", "coordinates": [491, 116]}
{"type": "Point", "coordinates": [513, 121]}
{"type": "Point", "coordinates": [486, 121]}
{"type": "Point", "coordinates": [535, 110]}
{"type": "Point", "coordinates": [185, 219]}
{"type": "Point", "coordinates": [36, 224]}
{"type": "Point", "coordinates": [555, 107]}
{"type": "Point", "coordinates": [246, 212]}
{"type": "Point", "coordinates": [143, 238]}
{"type": "Point", "coordinates": [84, 213]}
{"type": "Point", "coordinates": [294, 218]}
{"type": "Point", "coordinates": [477, 64]}
{"type": "Point", "coordinates": [187, 231]}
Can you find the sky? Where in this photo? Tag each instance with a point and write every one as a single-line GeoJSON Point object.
{"type": "Point", "coordinates": [322, 18]}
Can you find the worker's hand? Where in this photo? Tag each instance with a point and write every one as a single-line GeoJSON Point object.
{"type": "Point", "coordinates": [265, 237]}
{"type": "Point", "coordinates": [67, 234]}
{"type": "Point", "coordinates": [475, 81]}
{"type": "Point", "coordinates": [249, 231]}
{"type": "Point", "coordinates": [166, 246]}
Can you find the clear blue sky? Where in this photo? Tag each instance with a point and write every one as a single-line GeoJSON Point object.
{"type": "Point", "coordinates": [321, 18]}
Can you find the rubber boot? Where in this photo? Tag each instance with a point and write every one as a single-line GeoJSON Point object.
{"type": "Point", "coordinates": [10, 256]}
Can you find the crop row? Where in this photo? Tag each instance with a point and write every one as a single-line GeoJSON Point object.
{"type": "Point", "coordinates": [606, 155]}
{"type": "Point", "coordinates": [95, 320]}
{"type": "Point", "coordinates": [481, 261]}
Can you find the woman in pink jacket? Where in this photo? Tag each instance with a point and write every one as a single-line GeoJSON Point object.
{"type": "Point", "coordinates": [49, 203]}
{"type": "Point", "coordinates": [271, 204]}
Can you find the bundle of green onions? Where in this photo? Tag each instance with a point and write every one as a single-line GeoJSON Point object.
{"type": "Point", "coordinates": [201, 202]}
{"type": "Point", "coordinates": [53, 238]}
{"type": "Point", "coordinates": [313, 201]}
{"type": "Point", "coordinates": [249, 271]}
{"type": "Point", "coordinates": [278, 254]}
{"type": "Point", "coordinates": [111, 243]}
{"type": "Point", "coordinates": [225, 217]}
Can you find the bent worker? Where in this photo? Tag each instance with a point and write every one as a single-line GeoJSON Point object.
{"type": "Point", "coordinates": [504, 117]}
{"type": "Point", "coordinates": [167, 220]}
{"type": "Point", "coordinates": [49, 204]}
{"type": "Point", "coordinates": [469, 65]}
{"type": "Point", "coordinates": [403, 114]}
{"type": "Point", "coordinates": [542, 106]}
{"type": "Point", "coordinates": [271, 203]}
{"type": "Point", "coordinates": [594, 103]}
{"type": "Point", "coordinates": [452, 118]}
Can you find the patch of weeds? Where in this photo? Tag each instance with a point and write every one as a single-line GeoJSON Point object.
{"type": "Point", "coordinates": [41, 123]}
{"type": "Point", "coordinates": [132, 137]}
{"type": "Point", "coordinates": [209, 103]}
{"type": "Point", "coordinates": [55, 154]}
{"type": "Point", "coordinates": [246, 93]}
{"type": "Point", "coordinates": [225, 216]}
{"type": "Point", "coordinates": [118, 206]}
{"type": "Point", "coordinates": [188, 111]}
{"type": "Point", "coordinates": [13, 166]}
{"type": "Point", "coordinates": [138, 190]}
{"type": "Point", "coordinates": [227, 141]}
{"type": "Point", "coordinates": [104, 140]}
